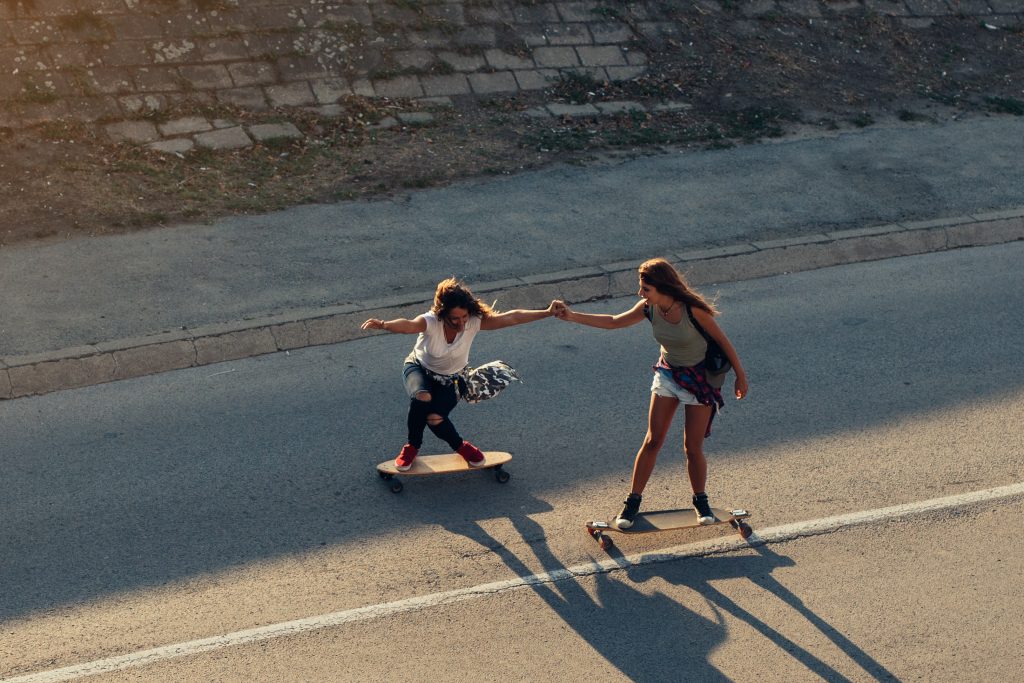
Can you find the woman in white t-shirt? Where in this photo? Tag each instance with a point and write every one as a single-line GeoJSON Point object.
{"type": "Point", "coordinates": [435, 369]}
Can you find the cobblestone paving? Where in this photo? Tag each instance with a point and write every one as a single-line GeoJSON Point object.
{"type": "Point", "coordinates": [115, 62]}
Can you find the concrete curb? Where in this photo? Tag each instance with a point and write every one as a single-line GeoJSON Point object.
{"type": "Point", "coordinates": [71, 368]}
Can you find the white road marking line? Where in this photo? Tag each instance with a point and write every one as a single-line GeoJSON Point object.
{"type": "Point", "coordinates": [777, 534]}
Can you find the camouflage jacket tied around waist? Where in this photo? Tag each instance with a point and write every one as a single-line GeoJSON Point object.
{"type": "Point", "coordinates": [481, 383]}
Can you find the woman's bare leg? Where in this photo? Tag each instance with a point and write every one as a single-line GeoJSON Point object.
{"type": "Point", "coordinates": [693, 444]}
{"type": "Point", "coordinates": [659, 419]}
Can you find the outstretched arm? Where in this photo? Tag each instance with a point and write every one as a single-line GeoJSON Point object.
{"type": "Point", "coordinates": [707, 321]}
{"type": "Point", "coordinates": [398, 325]}
{"type": "Point", "coordinates": [517, 316]}
{"type": "Point", "coordinates": [605, 321]}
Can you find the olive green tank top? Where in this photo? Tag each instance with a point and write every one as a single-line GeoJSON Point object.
{"type": "Point", "coordinates": [681, 343]}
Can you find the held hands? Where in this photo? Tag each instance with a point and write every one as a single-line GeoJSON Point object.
{"type": "Point", "coordinates": [559, 309]}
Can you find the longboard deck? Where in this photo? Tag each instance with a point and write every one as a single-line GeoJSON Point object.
{"type": "Point", "coordinates": [668, 520]}
{"type": "Point", "coordinates": [425, 465]}
{"type": "Point", "coordinates": [447, 463]}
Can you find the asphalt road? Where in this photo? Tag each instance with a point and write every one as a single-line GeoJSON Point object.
{"type": "Point", "coordinates": [204, 502]}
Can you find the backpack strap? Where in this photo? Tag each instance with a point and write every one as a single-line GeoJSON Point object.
{"type": "Point", "coordinates": [696, 324]}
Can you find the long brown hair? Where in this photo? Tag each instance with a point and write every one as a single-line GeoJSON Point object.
{"type": "Point", "coordinates": [660, 274]}
{"type": "Point", "coordinates": [453, 293]}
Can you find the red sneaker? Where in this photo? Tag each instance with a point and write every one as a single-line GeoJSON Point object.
{"type": "Point", "coordinates": [472, 454]}
{"type": "Point", "coordinates": [404, 460]}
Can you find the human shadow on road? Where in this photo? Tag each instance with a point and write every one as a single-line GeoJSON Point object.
{"type": "Point", "coordinates": [654, 637]}
{"type": "Point", "coordinates": [646, 637]}
{"type": "Point", "coordinates": [758, 569]}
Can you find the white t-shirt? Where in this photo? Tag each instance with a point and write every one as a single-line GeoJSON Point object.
{"type": "Point", "coordinates": [435, 353]}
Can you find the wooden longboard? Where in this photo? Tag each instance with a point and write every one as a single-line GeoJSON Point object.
{"type": "Point", "coordinates": [447, 463]}
{"type": "Point", "coordinates": [668, 520]}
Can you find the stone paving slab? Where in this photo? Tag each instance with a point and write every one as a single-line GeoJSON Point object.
{"type": "Point", "coordinates": [489, 83]}
{"type": "Point", "coordinates": [536, 79]}
{"type": "Point", "coordinates": [416, 118]}
{"type": "Point", "coordinates": [173, 146]}
{"type": "Point", "coordinates": [274, 131]}
{"type": "Point", "coordinates": [451, 84]}
{"type": "Point", "coordinates": [225, 138]}
{"type": "Point", "coordinates": [624, 73]}
{"type": "Point", "coordinates": [609, 55]}
{"type": "Point", "coordinates": [132, 131]}
{"type": "Point", "coordinates": [184, 126]}
{"type": "Point", "coordinates": [500, 59]}
{"type": "Point", "coordinates": [573, 111]}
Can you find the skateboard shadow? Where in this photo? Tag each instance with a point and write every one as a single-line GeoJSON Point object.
{"type": "Point", "coordinates": [758, 569]}
{"type": "Point", "coordinates": [646, 637]}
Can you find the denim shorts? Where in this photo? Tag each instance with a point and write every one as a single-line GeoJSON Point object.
{"type": "Point", "coordinates": [664, 385]}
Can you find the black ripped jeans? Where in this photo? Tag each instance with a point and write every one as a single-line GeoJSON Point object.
{"type": "Point", "coordinates": [443, 399]}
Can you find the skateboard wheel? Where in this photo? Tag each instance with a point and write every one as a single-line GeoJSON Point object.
{"type": "Point", "coordinates": [396, 487]}
{"type": "Point", "coordinates": [745, 530]}
{"type": "Point", "coordinates": [383, 475]}
{"type": "Point", "coordinates": [501, 475]}
{"type": "Point", "coordinates": [605, 542]}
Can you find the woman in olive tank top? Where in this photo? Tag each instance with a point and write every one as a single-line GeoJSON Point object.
{"type": "Point", "coordinates": [680, 377]}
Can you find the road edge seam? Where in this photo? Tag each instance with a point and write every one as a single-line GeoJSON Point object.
{"type": "Point", "coordinates": [71, 368]}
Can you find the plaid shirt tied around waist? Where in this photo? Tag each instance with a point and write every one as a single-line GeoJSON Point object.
{"type": "Point", "coordinates": [694, 379]}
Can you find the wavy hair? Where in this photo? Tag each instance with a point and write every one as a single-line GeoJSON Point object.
{"type": "Point", "coordinates": [660, 274]}
{"type": "Point", "coordinates": [453, 293]}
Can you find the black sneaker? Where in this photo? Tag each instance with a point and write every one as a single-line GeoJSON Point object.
{"type": "Point", "coordinates": [704, 513]}
{"type": "Point", "coordinates": [629, 510]}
